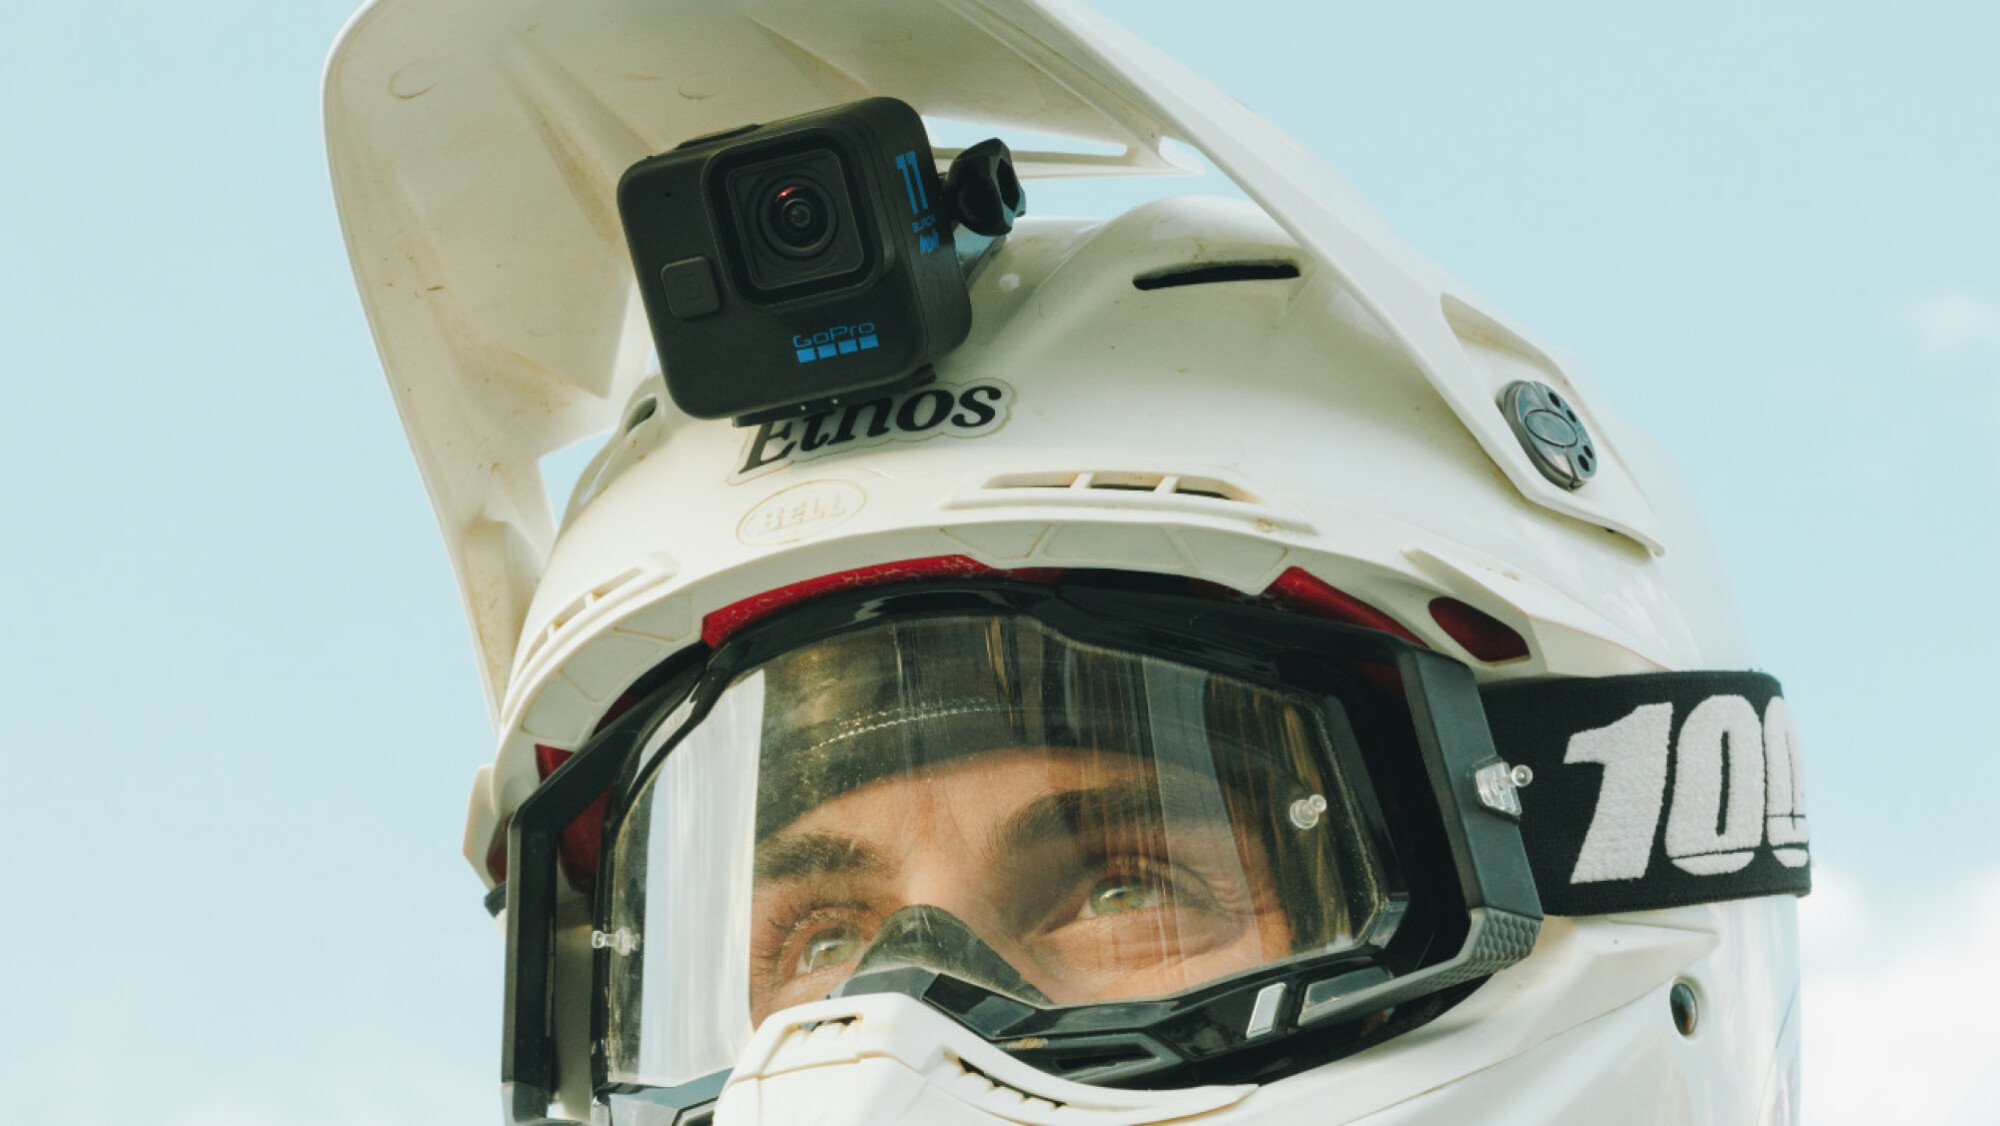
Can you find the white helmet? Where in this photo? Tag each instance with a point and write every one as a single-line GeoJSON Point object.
{"type": "Point", "coordinates": [1254, 682]}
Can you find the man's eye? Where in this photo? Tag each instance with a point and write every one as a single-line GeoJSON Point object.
{"type": "Point", "coordinates": [1115, 895]}
{"type": "Point", "coordinates": [834, 945]}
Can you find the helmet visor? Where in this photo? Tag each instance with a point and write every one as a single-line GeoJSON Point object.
{"type": "Point", "coordinates": [1060, 821]}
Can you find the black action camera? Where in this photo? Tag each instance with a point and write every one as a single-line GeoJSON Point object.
{"type": "Point", "coordinates": [789, 265]}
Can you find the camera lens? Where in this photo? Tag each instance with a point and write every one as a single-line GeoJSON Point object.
{"type": "Point", "coordinates": [798, 218]}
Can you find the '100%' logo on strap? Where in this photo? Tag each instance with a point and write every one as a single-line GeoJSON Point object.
{"type": "Point", "coordinates": [1656, 790]}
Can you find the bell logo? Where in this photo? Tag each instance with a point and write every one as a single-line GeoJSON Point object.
{"type": "Point", "coordinates": [968, 411]}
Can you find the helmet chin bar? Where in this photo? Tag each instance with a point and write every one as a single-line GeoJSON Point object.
{"type": "Point", "coordinates": [921, 1069]}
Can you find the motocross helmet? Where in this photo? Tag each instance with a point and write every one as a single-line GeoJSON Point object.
{"type": "Point", "coordinates": [1248, 680]}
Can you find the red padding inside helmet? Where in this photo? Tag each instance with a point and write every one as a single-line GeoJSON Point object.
{"type": "Point", "coordinates": [720, 624]}
{"type": "Point", "coordinates": [581, 838]}
{"type": "Point", "coordinates": [1302, 593]}
{"type": "Point", "coordinates": [1299, 591]}
{"type": "Point", "coordinates": [1484, 636]}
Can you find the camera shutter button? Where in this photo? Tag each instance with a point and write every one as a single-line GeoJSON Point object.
{"type": "Point", "coordinates": [689, 287]}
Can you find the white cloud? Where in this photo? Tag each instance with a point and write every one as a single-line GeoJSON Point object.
{"type": "Point", "coordinates": [1952, 323]}
{"type": "Point", "coordinates": [1902, 1003]}
{"type": "Point", "coordinates": [1958, 331]}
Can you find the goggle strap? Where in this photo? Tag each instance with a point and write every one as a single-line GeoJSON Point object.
{"type": "Point", "coordinates": [1653, 790]}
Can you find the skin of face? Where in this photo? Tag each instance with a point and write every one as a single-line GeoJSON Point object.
{"type": "Point", "coordinates": [1096, 875]}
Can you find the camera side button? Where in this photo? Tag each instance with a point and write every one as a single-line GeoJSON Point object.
{"type": "Point", "coordinates": [689, 286]}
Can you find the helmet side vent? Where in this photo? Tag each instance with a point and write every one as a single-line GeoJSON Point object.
{"type": "Point", "coordinates": [1211, 273]}
{"type": "Point", "coordinates": [978, 1082]}
{"type": "Point", "coordinates": [575, 609]}
{"type": "Point", "coordinates": [1479, 633]}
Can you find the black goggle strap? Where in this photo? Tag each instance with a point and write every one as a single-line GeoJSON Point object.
{"type": "Point", "coordinates": [1655, 790]}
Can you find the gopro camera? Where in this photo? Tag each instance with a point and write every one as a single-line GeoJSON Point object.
{"type": "Point", "coordinates": [789, 265]}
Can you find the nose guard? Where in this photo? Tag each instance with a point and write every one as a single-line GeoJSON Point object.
{"type": "Point", "coordinates": [919, 942]}
{"type": "Point", "coordinates": [884, 1059]}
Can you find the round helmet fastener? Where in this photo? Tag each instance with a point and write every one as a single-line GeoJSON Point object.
{"type": "Point", "coordinates": [1551, 431]}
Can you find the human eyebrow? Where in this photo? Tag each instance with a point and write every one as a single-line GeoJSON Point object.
{"type": "Point", "coordinates": [815, 855]}
{"type": "Point", "coordinates": [1075, 813]}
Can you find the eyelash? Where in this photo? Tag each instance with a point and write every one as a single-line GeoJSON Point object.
{"type": "Point", "coordinates": [1177, 883]}
{"type": "Point", "coordinates": [774, 944]}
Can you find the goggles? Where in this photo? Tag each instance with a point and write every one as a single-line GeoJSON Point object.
{"type": "Point", "coordinates": [1119, 834]}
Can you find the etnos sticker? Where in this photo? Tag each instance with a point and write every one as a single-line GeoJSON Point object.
{"type": "Point", "coordinates": [967, 411]}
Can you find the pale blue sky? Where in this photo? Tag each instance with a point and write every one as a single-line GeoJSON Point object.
{"type": "Point", "coordinates": [241, 713]}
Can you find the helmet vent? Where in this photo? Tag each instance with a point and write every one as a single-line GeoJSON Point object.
{"type": "Point", "coordinates": [573, 610]}
{"type": "Point", "coordinates": [1481, 634]}
{"type": "Point", "coordinates": [1210, 273]}
{"type": "Point", "coordinates": [983, 1083]}
{"type": "Point", "coordinates": [1159, 484]}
